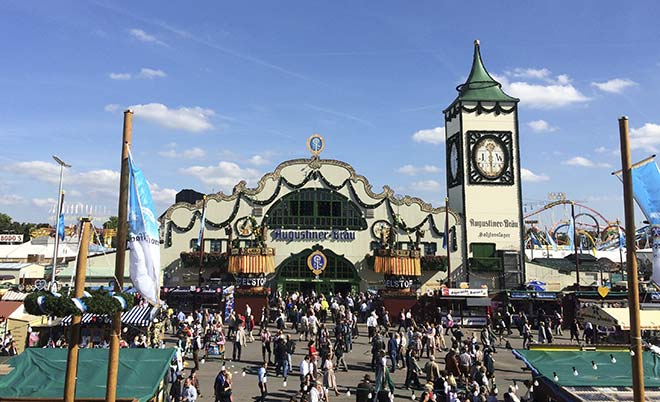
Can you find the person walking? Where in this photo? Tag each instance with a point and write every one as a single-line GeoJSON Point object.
{"type": "Point", "coordinates": [189, 393]}
{"type": "Point", "coordinates": [392, 349]}
{"type": "Point", "coordinates": [329, 378]}
{"type": "Point", "coordinates": [176, 389]}
{"type": "Point", "coordinates": [265, 344]}
{"type": "Point", "coordinates": [412, 371]}
{"type": "Point", "coordinates": [575, 331]}
{"type": "Point", "coordinates": [262, 380]}
{"type": "Point", "coordinates": [239, 341]}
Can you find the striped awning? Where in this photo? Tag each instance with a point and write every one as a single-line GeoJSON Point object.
{"type": "Point", "coordinates": [393, 265]}
{"type": "Point", "coordinates": [138, 316]}
{"type": "Point", "coordinates": [251, 264]}
{"type": "Point", "coordinates": [14, 296]}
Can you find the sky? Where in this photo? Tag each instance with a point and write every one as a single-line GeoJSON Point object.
{"type": "Point", "coordinates": [225, 91]}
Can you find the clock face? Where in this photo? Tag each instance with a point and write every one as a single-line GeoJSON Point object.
{"type": "Point", "coordinates": [490, 157]}
{"type": "Point", "coordinates": [453, 160]}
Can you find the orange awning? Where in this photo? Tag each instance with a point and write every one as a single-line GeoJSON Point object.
{"type": "Point", "coordinates": [391, 265]}
{"type": "Point", "coordinates": [251, 264]}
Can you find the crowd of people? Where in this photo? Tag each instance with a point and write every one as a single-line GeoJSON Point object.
{"type": "Point", "coordinates": [442, 360]}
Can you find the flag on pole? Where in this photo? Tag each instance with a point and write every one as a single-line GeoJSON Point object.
{"type": "Point", "coordinates": [445, 236]}
{"type": "Point", "coordinates": [551, 241]}
{"type": "Point", "coordinates": [60, 227]}
{"type": "Point", "coordinates": [143, 238]}
{"type": "Point", "coordinates": [535, 241]}
{"type": "Point", "coordinates": [622, 238]}
{"type": "Point", "coordinates": [202, 224]}
{"type": "Point", "coordinates": [571, 233]}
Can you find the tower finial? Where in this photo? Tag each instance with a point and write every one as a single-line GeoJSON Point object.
{"type": "Point", "coordinates": [476, 42]}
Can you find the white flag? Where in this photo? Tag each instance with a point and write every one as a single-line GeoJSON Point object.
{"type": "Point", "coordinates": [143, 238]}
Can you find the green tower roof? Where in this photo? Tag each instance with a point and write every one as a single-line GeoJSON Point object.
{"type": "Point", "coordinates": [480, 86]}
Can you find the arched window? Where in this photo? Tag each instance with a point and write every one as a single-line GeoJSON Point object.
{"type": "Point", "coordinates": [315, 209]}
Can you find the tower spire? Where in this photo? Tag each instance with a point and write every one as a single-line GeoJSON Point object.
{"type": "Point", "coordinates": [480, 86]}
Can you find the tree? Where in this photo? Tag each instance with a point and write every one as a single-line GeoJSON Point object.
{"type": "Point", "coordinates": [111, 223]}
{"type": "Point", "coordinates": [5, 223]}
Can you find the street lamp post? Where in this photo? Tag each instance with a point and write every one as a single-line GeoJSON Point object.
{"type": "Point", "coordinates": [57, 216]}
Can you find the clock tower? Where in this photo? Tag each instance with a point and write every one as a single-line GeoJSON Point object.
{"type": "Point", "coordinates": [483, 179]}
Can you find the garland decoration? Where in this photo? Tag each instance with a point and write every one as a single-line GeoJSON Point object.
{"type": "Point", "coordinates": [101, 302]}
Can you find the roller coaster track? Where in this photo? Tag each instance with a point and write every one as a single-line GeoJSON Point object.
{"type": "Point", "coordinates": [564, 202]}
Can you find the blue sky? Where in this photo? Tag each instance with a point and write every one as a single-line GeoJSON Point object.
{"type": "Point", "coordinates": [224, 91]}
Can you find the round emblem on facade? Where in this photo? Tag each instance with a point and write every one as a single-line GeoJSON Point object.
{"type": "Point", "coordinates": [316, 262]}
{"type": "Point", "coordinates": [315, 144]}
{"type": "Point", "coordinates": [244, 227]}
{"type": "Point", "coordinates": [379, 226]}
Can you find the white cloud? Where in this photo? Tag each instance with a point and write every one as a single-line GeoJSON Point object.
{"type": "Point", "coordinates": [44, 202]}
{"type": "Point", "coordinates": [120, 76]}
{"type": "Point", "coordinates": [553, 92]}
{"type": "Point", "coordinates": [615, 86]}
{"type": "Point", "coordinates": [407, 169]}
{"type": "Point", "coordinates": [600, 150]}
{"type": "Point", "coordinates": [186, 154]}
{"type": "Point", "coordinates": [412, 170]}
{"type": "Point", "coordinates": [10, 199]}
{"type": "Point", "coordinates": [162, 196]}
{"type": "Point", "coordinates": [194, 119]}
{"type": "Point", "coordinates": [148, 73]}
{"type": "Point", "coordinates": [646, 137]}
{"type": "Point", "coordinates": [433, 136]}
{"type": "Point", "coordinates": [258, 160]}
{"type": "Point", "coordinates": [94, 181]}
{"type": "Point", "coordinates": [533, 73]}
{"type": "Point", "coordinates": [531, 177]}
{"type": "Point", "coordinates": [541, 126]}
{"type": "Point", "coordinates": [584, 162]}
{"type": "Point", "coordinates": [142, 36]}
{"type": "Point", "coordinates": [112, 107]}
{"type": "Point", "coordinates": [225, 174]}
{"type": "Point", "coordinates": [425, 185]}
{"type": "Point", "coordinates": [605, 150]}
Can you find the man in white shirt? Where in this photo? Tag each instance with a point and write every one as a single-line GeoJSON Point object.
{"type": "Point", "coordinates": [316, 393]}
{"type": "Point", "coordinates": [189, 393]}
{"type": "Point", "coordinates": [305, 368]}
{"type": "Point", "coordinates": [372, 323]}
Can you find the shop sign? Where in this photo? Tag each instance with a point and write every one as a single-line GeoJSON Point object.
{"type": "Point", "coordinates": [465, 292]}
{"type": "Point", "coordinates": [250, 280]}
{"type": "Point", "coordinates": [546, 295]}
{"type": "Point", "coordinates": [313, 235]}
{"type": "Point", "coordinates": [11, 238]}
{"type": "Point", "coordinates": [398, 283]}
{"type": "Point", "coordinates": [519, 295]}
{"type": "Point", "coordinates": [474, 321]}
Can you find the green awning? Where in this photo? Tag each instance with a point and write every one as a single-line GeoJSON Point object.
{"type": "Point", "coordinates": [39, 373]}
{"type": "Point", "coordinates": [547, 362]}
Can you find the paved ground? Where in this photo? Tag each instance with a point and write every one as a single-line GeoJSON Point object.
{"type": "Point", "coordinates": [508, 368]}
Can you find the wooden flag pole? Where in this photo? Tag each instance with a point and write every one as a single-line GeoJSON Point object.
{"type": "Point", "coordinates": [74, 334]}
{"type": "Point", "coordinates": [575, 248]}
{"type": "Point", "coordinates": [120, 257]}
{"type": "Point", "coordinates": [631, 265]}
{"type": "Point", "coordinates": [448, 242]}
{"type": "Point", "coordinates": [201, 244]}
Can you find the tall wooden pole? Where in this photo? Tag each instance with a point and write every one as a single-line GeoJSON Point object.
{"type": "Point", "coordinates": [201, 243]}
{"type": "Point", "coordinates": [631, 264]}
{"type": "Point", "coordinates": [74, 334]}
{"type": "Point", "coordinates": [448, 241]}
{"type": "Point", "coordinates": [575, 248]}
{"type": "Point", "coordinates": [122, 234]}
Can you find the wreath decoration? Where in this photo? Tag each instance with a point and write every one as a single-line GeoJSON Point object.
{"type": "Point", "coordinates": [101, 302]}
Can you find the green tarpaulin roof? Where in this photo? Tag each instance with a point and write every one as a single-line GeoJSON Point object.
{"type": "Point", "coordinates": [608, 374]}
{"type": "Point", "coordinates": [39, 373]}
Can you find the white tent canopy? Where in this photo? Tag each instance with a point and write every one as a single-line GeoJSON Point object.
{"type": "Point", "coordinates": [619, 317]}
